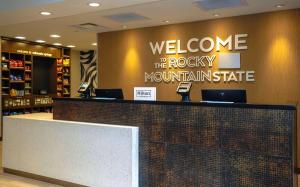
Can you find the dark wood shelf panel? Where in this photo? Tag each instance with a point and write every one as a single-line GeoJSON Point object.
{"type": "Point", "coordinates": [26, 107]}
{"type": "Point", "coordinates": [3, 78]}
{"type": "Point", "coordinates": [16, 107]}
{"type": "Point", "coordinates": [5, 69]}
{"type": "Point", "coordinates": [16, 97]}
{"type": "Point", "coordinates": [40, 106]}
{"type": "Point", "coordinates": [16, 68]}
{"type": "Point", "coordinates": [17, 82]}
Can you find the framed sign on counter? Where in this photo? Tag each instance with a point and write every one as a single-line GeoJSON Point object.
{"type": "Point", "coordinates": [145, 93]}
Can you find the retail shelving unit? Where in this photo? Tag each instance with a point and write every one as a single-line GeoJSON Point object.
{"type": "Point", "coordinates": [63, 69]}
{"type": "Point", "coordinates": [30, 81]}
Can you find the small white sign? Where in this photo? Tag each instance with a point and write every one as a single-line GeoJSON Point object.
{"type": "Point", "coordinates": [145, 93]}
{"type": "Point", "coordinates": [230, 61]}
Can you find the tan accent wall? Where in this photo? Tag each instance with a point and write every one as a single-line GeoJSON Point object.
{"type": "Point", "coordinates": [75, 72]}
{"type": "Point", "coordinates": [1, 128]}
{"type": "Point", "coordinates": [273, 53]}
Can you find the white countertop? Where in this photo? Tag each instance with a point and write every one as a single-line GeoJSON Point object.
{"type": "Point", "coordinates": [49, 117]}
{"type": "Point", "coordinates": [34, 116]}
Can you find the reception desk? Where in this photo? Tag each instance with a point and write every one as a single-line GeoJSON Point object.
{"type": "Point", "coordinates": [200, 144]}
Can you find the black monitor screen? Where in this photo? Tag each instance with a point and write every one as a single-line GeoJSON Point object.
{"type": "Point", "coordinates": [109, 93]}
{"type": "Point", "coordinates": [224, 95]}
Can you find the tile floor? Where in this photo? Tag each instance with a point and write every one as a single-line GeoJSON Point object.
{"type": "Point", "coordinates": [7, 180]}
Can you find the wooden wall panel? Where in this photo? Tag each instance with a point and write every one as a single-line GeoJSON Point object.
{"type": "Point", "coordinates": [273, 53]}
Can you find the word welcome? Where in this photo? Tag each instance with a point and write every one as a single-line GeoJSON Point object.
{"type": "Point", "coordinates": [194, 45]}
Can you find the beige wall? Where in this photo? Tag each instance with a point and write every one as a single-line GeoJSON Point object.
{"type": "Point", "coordinates": [273, 53]}
{"type": "Point", "coordinates": [1, 93]}
{"type": "Point", "coordinates": [75, 72]}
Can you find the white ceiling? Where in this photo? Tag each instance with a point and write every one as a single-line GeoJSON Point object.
{"type": "Point", "coordinates": [22, 17]}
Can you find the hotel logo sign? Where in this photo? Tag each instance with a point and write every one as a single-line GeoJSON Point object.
{"type": "Point", "coordinates": [176, 66]}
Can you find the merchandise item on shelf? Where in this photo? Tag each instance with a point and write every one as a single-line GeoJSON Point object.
{"type": "Point", "coordinates": [59, 62]}
{"type": "Point", "coordinates": [16, 93]}
{"type": "Point", "coordinates": [66, 62]}
{"type": "Point", "coordinates": [16, 63]}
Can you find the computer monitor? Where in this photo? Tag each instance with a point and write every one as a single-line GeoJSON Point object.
{"type": "Point", "coordinates": [109, 93]}
{"type": "Point", "coordinates": [224, 95]}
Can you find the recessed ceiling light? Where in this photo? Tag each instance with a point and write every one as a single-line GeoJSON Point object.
{"type": "Point", "coordinates": [45, 13]}
{"type": "Point", "coordinates": [216, 15]}
{"type": "Point", "coordinates": [40, 41]}
{"type": "Point", "coordinates": [20, 37]}
{"type": "Point", "coordinates": [124, 26]}
{"type": "Point", "coordinates": [55, 36]}
{"type": "Point", "coordinates": [71, 46]}
{"type": "Point", "coordinates": [279, 5]}
{"type": "Point", "coordinates": [94, 44]}
{"type": "Point", "coordinates": [58, 44]}
{"type": "Point", "coordinates": [94, 4]}
{"type": "Point", "coordinates": [167, 21]}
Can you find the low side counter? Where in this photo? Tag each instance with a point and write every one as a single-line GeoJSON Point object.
{"type": "Point", "coordinates": [70, 153]}
{"type": "Point", "coordinates": [197, 144]}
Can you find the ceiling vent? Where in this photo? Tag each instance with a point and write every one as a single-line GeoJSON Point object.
{"type": "Point", "coordinates": [218, 4]}
{"type": "Point", "coordinates": [126, 17]}
{"type": "Point", "coordinates": [88, 27]}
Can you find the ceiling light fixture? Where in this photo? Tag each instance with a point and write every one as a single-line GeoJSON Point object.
{"type": "Point", "coordinates": [40, 41]}
{"type": "Point", "coordinates": [94, 4]}
{"type": "Point", "coordinates": [94, 44]}
{"type": "Point", "coordinates": [57, 44]}
{"type": "Point", "coordinates": [20, 37]}
{"type": "Point", "coordinates": [124, 26]}
{"type": "Point", "coordinates": [55, 36]}
{"type": "Point", "coordinates": [167, 21]}
{"type": "Point", "coordinates": [216, 15]}
{"type": "Point", "coordinates": [45, 13]}
{"type": "Point", "coordinates": [279, 5]}
{"type": "Point", "coordinates": [71, 46]}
